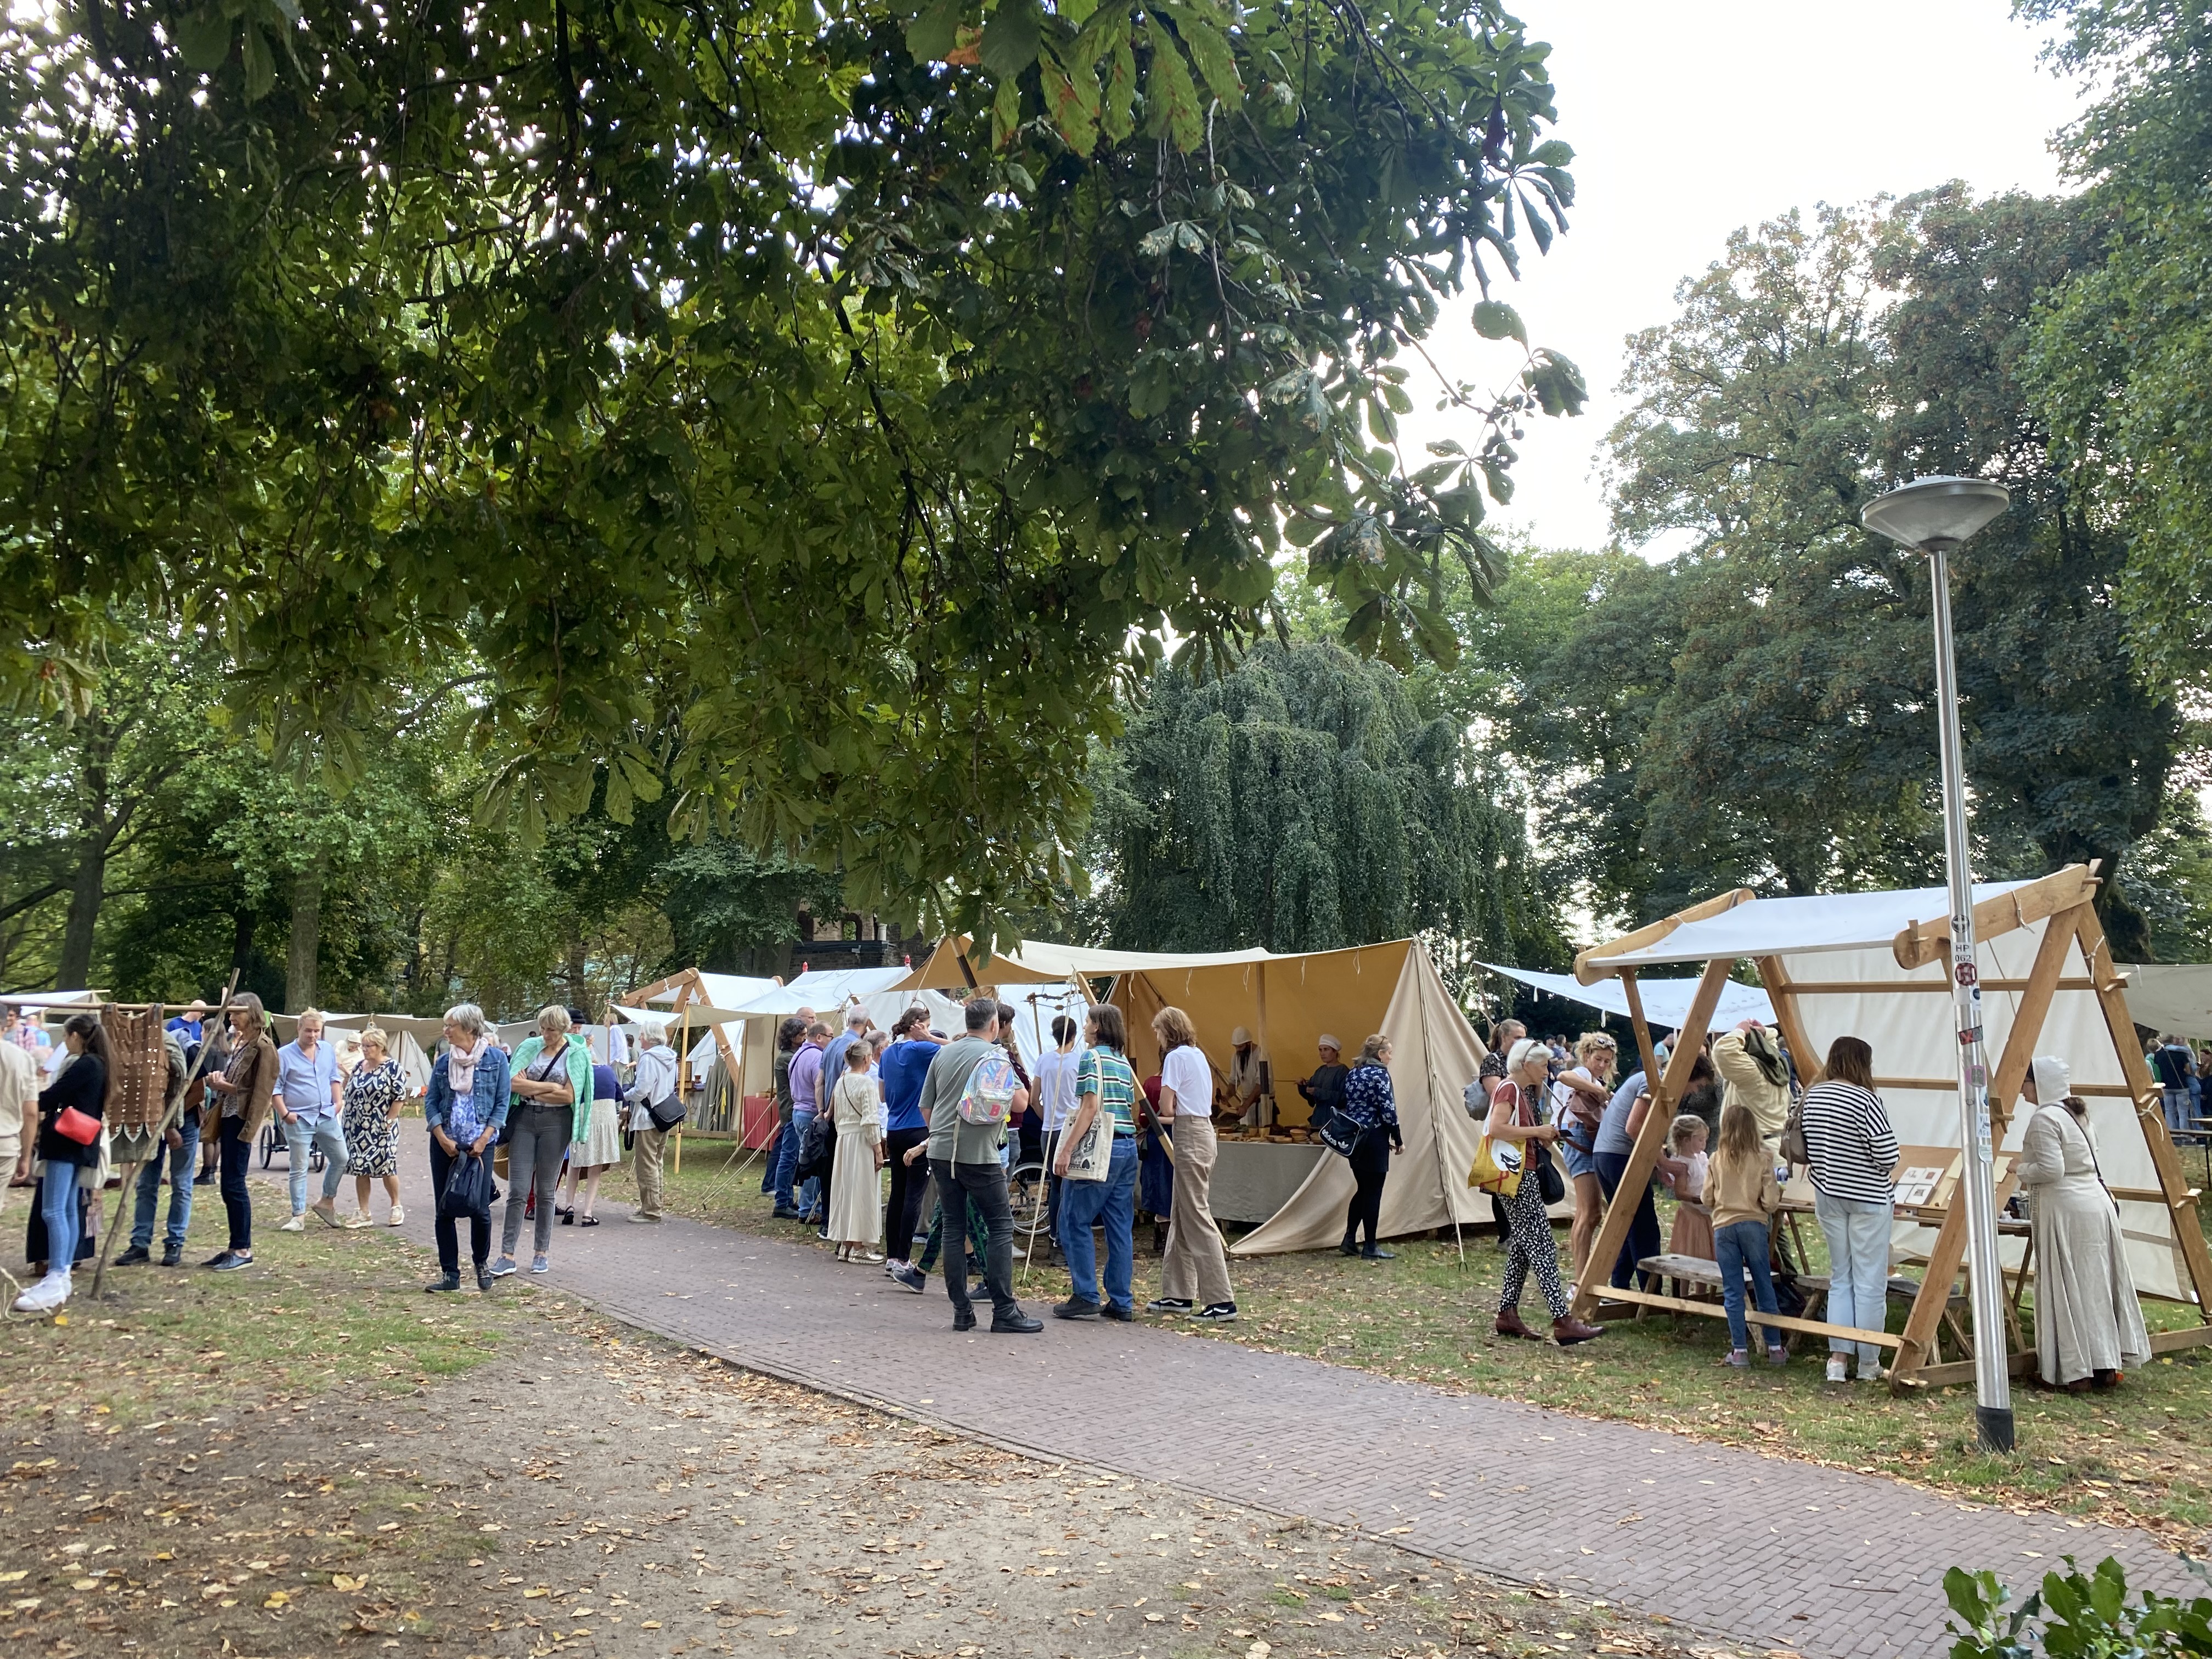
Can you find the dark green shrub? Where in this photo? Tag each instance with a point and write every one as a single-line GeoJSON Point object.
{"type": "Point", "coordinates": [2074, 1617]}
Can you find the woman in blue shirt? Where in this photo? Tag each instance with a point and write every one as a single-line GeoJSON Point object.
{"type": "Point", "coordinates": [1369, 1102]}
{"type": "Point", "coordinates": [902, 1070]}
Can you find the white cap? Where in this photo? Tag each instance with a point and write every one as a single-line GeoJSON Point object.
{"type": "Point", "coordinates": [1329, 1042]}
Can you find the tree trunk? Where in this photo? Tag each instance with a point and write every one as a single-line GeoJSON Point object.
{"type": "Point", "coordinates": [241, 942]}
{"type": "Point", "coordinates": [85, 892]}
{"type": "Point", "coordinates": [576, 974]}
{"type": "Point", "coordinates": [306, 936]}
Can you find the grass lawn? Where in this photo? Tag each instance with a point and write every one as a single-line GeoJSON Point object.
{"type": "Point", "coordinates": [317, 1311]}
{"type": "Point", "coordinates": [2141, 1456]}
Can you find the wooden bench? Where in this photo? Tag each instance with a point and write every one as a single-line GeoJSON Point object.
{"type": "Point", "coordinates": [1697, 1278]}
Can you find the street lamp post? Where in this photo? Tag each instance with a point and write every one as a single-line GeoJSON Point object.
{"type": "Point", "coordinates": [1935, 516]}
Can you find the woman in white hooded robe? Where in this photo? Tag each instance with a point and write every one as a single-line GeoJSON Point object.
{"type": "Point", "coordinates": [2088, 1325]}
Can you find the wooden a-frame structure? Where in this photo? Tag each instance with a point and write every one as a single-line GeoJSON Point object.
{"type": "Point", "coordinates": [1877, 947]}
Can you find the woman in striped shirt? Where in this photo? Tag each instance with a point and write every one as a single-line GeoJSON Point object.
{"type": "Point", "coordinates": [1853, 1151]}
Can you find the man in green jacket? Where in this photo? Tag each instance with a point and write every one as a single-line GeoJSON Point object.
{"type": "Point", "coordinates": [963, 1160]}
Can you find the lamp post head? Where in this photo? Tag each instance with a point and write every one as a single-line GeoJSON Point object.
{"type": "Point", "coordinates": [1932, 515]}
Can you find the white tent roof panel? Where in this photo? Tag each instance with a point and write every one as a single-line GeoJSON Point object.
{"type": "Point", "coordinates": [1796, 927]}
{"type": "Point", "coordinates": [1071, 961]}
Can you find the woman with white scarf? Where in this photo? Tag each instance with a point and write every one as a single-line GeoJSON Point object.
{"type": "Point", "coordinates": [2088, 1325]}
{"type": "Point", "coordinates": [464, 1107]}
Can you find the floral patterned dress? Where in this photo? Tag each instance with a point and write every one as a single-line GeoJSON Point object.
{"type": "Point", "coordinates": [372, 1135]}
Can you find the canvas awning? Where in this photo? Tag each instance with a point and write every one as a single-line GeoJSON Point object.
{"type": "Point", "coordinates": [1666, 1001]}
{"type": "Point", "coordinates": [2172, 997]}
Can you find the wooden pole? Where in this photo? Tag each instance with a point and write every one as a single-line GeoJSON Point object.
{"type": "Point", "coordinates": [1784, 995]}
{"type": "Point", "coordinates": [683, 1070]}
{"type": "Point", "coordinates": [2181, 1208]}
{"type": "Point", "coordinates": [1646, 1050]}
{"type": "Point", "coordinates": [1263, 1105]}
{"type": "Point", "coordinates": [1689, 1041]}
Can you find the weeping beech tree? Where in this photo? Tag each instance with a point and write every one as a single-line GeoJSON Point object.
{"type": "Point", "coordinates": [1300, 802]}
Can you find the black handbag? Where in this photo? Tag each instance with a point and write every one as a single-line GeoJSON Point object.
{"type": "Point", "coordinates": [818, 1152]}
{"type": "Point", "coordinates": [1341, 1132]}
{"type": "Point", "coordinates": [468, 1191]}
{"type": "Point", "coordinates": [1551, 1185]}
{"type": "Point", "coordinates": [667, 1113]}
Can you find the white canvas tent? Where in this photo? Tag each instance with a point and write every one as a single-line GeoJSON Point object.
{"type": "Point", "coordinates": [1875, 965]}
{"type": "Point", "coordinates": [50, 999]}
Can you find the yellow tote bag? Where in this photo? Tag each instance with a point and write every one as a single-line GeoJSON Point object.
{"type": "Point", "coordinates": [1497, 1163]}
{"type": "Point", "coordinates": [1497, 1167]}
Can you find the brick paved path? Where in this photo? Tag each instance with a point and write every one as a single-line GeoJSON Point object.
{"type": "Point", "coordinates": [1759, 1549]}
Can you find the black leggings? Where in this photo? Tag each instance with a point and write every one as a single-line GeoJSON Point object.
{"type": "Point", "coordinates": [237, 1156]}
{"type": "Point", "coordinates": [902, 1209]}
{"type": "Point", "coordinates": [1371, 1167]}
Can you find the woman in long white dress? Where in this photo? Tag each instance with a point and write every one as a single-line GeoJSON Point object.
{"type": "Point", "coordinates": [2088, 1325]}
{"type": "Point", "coordinates": [856, 1198]}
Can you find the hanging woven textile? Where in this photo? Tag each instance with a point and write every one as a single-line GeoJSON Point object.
{"type": "Point", "coordinates": [137, 1079]}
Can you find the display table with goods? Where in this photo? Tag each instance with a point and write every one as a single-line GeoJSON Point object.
{"type": "Point", "coordinates": [1255, 1171]}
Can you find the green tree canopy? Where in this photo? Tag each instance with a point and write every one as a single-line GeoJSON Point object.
{"type": "Point", "coordinates": [2120, 346]}
{"type": "Point", "coordinates": [1302, 802]}
{"type": "Point", "coordinates": [1757, 710]}
{"type": "Point", "coordinates": [811, 411]}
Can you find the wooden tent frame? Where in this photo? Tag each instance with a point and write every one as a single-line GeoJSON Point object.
{"type": "Point", "coordinates": [2066, 898]}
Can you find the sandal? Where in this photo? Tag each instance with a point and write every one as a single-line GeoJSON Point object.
{"type": "Point", "coordinates": [588, 1221]}
{"type": "Point", "coordinates": [567, 1217]}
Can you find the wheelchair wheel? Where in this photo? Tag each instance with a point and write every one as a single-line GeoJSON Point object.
{"type": "Point", "coordinates": [1025, 1195]}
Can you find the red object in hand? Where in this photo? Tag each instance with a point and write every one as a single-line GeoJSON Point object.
{"type": "Point", "coordinates": [73, 1125]}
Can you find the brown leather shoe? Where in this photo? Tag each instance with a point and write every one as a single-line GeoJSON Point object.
{"type": "Point", "coordinates": [1571, 1330]}
{"type": "Point", "coordinates": [1509, 1324]}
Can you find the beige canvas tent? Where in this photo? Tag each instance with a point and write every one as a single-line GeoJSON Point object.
{"type": "Point", "coordinates": [1297, 1192]}
{"type": "Point", "coordinates": [1875, 966]}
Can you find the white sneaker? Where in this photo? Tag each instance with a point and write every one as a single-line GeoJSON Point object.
{"type": "Point", "coordinates": [298, 1224]}
{"type": "Point", "coordinates": [398, 1215]}
{"type": "Point", "coordinates": [48, 1294]}
{"type": "Point", "coordinates": [1874, 1373]}
{"type": "Point", "coordinates": [358, 1219]}
{"type": "Point", "coordinates": [1839, 1368]}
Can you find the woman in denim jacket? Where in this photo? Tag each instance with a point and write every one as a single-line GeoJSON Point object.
{"type": "Point", "coordinates": [464, 1106]}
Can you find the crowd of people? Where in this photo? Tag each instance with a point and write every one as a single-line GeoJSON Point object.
{"type": "Point", "coordinates": [951, 1116]}
{"type": "Point", "coordinates": [557, 1114]}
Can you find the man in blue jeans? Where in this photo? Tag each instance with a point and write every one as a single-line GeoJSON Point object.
{"type": "Point", "coordinates": [1103, 1084]}
{"type": "Point", "coordinates": [308, 1106]}
{"type": "Point", "coordinates": [182, 1147]}
{"type": "Point", "coordinates": [806, 1099]}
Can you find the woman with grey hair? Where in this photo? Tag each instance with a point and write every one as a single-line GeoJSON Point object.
{"type": "Point", "coordinates": [552, 1079]}
{"type": "Point", "coordinates": [464, 1106]}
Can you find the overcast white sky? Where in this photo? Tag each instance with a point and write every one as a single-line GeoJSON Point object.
{"type": "Point", "coordinates": [1692, 118]}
